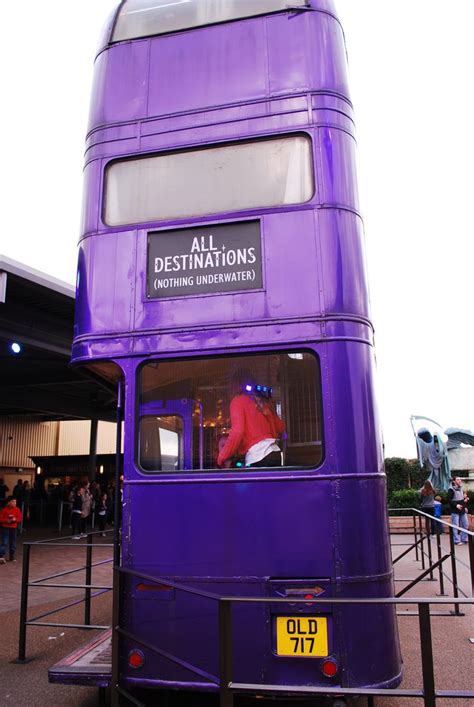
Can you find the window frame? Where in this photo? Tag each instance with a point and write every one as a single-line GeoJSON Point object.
{"type": "Point", "coordinates": [304, 7]}
{"type": "Point", "coordinates": [211, 216]}
{"type": "Point", "coordinates": [156, 414]}
{"type": "Point", "coordinates": [232, 473]}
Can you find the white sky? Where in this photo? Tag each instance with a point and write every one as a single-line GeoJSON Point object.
{"type": "Point", "coordinates": [411, 77]}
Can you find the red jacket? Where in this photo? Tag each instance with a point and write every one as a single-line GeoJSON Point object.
{"type": "Point", "coordinates": [10, 516]}
{"type": "Point", "coordinates": [250, 423]}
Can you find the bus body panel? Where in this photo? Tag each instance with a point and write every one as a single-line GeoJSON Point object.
{"type": "Point", "coordinates": [259, 533]}
{"type": "Point", "coordinates": [218, 65]}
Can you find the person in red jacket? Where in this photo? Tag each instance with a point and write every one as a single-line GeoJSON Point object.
{"type": "Point", "coordinates": [10, 516]}
{"type": "Point", "coordinates": [255, 426]}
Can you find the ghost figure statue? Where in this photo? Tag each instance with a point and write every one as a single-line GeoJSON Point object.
{"type": "Point", "coordinates": [433, 454]}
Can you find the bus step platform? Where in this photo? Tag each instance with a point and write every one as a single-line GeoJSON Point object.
{"type": "Point", "coordinates": [90, 665]}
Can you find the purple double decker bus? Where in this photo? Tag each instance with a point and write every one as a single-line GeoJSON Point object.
{"type": "Point", "coordinates": [222, 279]}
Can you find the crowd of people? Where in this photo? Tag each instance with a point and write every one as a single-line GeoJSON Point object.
{"type": "Point", "coordinates": [81, 500]}
{"type": "Point", "coordinates": [458, 500]}
{"type": "Point", "coordinates": [85, 498]}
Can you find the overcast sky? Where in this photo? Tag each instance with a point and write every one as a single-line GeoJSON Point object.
{"type": "Point", "coordinates": [411, 75]}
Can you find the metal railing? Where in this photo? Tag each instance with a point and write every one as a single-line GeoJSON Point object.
{"type": "Point", "coordinates": [224, 681]}
{"type": "Point", "coordinates": [228, 688]}
{"type": "Point", "coordinates": [422, 546]}
{"type": "Point", "coordinates": [88, 588]}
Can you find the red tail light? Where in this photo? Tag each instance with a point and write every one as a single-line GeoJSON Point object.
{"type": "Point", "coordinates": [329, 668]}
{"type": "Point", "coordinates": [136, 659]}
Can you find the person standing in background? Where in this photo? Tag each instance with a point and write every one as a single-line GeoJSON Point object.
{"type": "Point", "coordinates": [3, 492]}
{"type": "Point", "coordinates": [86, 508]}
{"type": "Point", "coordinates": [458, 507]}
{"type": "Point", "coordinates": [438, 509]}
{"type": "Point", "coordinates": [10, 516]}
{"type": "Point", "coordinates": [102, 512]}
{"type": "Point", "coordinates": [76, 513]}
{"type": "Point", "coordinates": [427, 505]}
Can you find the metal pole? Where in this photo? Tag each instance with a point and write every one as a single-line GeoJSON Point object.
{"type": "Point", "coordinates": [60, 515]}
{"type": "Point", "coordinates": [115, 679]}
{"type": "Point", "coordinates": [470, 541]}
{"type": "Point", "coordinates": [225, 653]}
{"type": "Point", "coordinates": [117, 583]}
{"type": "Point", "coordinates": [117, 494]}
{"type": "Point", "coordinates": [24, 603]}
{"type": "Point", "coordinates": [22, 517]}
{"type": "Point", "coordinates": [430, 557]}
{"type": "Point", "coordinates": [415, 533]}
{"type": "Point", "coordinates": [441, 576]}
{"type": "Point", "coordinates": [87, 603]}
{"type": "Point", "coordinates": [422, 544]}
{"type": "Point", "coordinates": [429, 693]}
{"type": "Point", "coordinates": [454, 570]}
{"type": "Point", "coordinates": [93, 449]}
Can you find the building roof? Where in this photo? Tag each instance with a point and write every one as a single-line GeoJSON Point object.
{"type": "Point", "coordinates": [37, 313]}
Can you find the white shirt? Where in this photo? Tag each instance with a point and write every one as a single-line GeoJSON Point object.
{"type": "Point", "coordinates": [260, 450]}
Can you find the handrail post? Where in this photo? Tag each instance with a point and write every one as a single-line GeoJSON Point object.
{"type": "Point", "coordinates": [415, 533]}
{"type": "Point", "coordinates": [60, 515]}
{"type": "Point", "coordinates": [87, 602]}
{"type": "Point", "coordinates": [25, 578]}
{"type": "Point", "coordinates": [115, 679]}
{"type": "Point", "coordinates": [429, 693]}
{"type": "Point", "coordinates": [117, 582]}
{"type": "Point", "coordinates": [470, 541]}
{"type": "Point", "coordinates": [22, 517]}
{"type": "Point", "coordinates": [442, 593]}
{"type": "Point", "coordinates": [430, 556]}
{"type": "Point", "coordinates": [225, 653]}
{"type": "Point", "coordinates": [454, 569]}
{"type": "Point", "coordinates": [422, 544]}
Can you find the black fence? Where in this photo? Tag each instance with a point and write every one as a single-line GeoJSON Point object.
{"type": "Point", "coordinates": [90, 591]}
{"type": "Point", "coordinates": [432, 558]}
{"type": "Point", "coordinates": [228, 688]}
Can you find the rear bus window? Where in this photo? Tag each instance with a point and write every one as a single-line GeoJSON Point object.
{"type": "Point", "coordinates": [241, 411]}
{"type": "Point", "coordinates": [206, 181]}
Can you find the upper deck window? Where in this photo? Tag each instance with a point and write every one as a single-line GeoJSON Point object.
{"type": "Point", "coordinates": [246, 175]}
{"type": "Point", "coordinates": [143, 18]}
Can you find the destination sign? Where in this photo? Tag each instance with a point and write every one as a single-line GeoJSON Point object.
{"type": "Point", "coordinates": [203, 260]}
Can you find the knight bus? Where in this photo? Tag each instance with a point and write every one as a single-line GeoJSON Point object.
{"type": "Point", "coordinates": [221, 233]}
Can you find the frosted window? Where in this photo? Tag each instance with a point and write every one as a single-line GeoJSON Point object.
{"type": "Point", "coordinates": [142, 18]}
{"type": "Point", "coordinates": [209, 181]}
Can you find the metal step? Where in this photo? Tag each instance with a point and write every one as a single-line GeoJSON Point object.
{"type": "Point", "coordinates": [90, 665]}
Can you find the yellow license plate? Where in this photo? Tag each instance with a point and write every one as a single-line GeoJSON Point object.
{"type": "Point", "coordinates": [302, 636]}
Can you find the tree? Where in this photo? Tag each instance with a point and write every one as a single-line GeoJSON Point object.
{"type": "Point", "coordinates": [403, 474]}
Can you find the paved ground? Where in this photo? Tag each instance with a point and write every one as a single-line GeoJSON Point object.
{"type": "Point", "coordinates": [27, 685]}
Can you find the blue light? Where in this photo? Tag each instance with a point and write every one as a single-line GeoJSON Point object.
{"type": "Point", "coordinates": [248, 388]}
{"type": "Point", "coordinates": [16, 348]}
